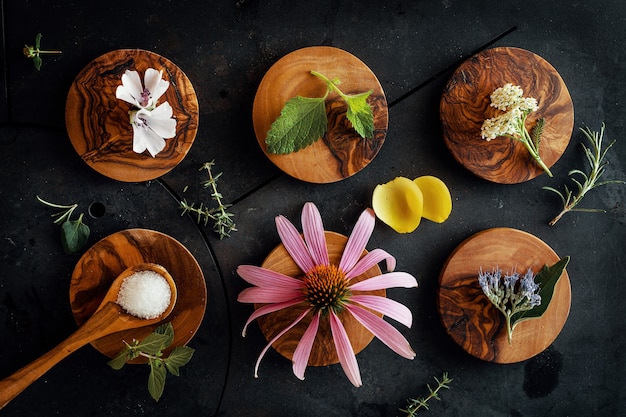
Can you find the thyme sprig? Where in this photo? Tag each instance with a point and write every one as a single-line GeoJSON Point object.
{"type": "Point", "coordinates": [223, 220]}
{"type": "Point", "coordinates": [414, 405]}
{"type": "Point", "coordinates": [34, 52]}
{"type": "Point", "coordinates": [585, 182]}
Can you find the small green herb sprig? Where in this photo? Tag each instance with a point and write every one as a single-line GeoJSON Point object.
{"type": "Point", "coordinates": [588, 181]}
{"type": "Point", "coordinates": [152, 348]}
{"type": "Point", "coordinates": [521, 298]}
{"type": "Point", "coordinates": [223, 220]}
{"type": "Point", "coordinates": [35, 52]}
{"type": "Point", "coordinates": [414, 405]}
{"type": "Point", "coordinates": [303, 120]}
{"type": "Point", "coordinates": [74, 233]}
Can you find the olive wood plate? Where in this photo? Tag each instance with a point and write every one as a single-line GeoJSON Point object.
{"type": "Point", "coordinates": [341, 152]}
{"type": "Point", "coordinates": [323, 352]}
{"type": "Point", "coordinates": [105, 260]}
{"type": "Point", "coordinates": [98, 123]}
{"type": "Point", "coordinates": [465, 105]}
{"type": "Point", "coordinates": [469, 317]}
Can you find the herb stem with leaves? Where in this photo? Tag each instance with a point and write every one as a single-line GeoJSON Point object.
{"type": "Point", "coordinates": [74, 233]}
{"type": "Point", "coordinates": [223, 220]}
{"type": "Point", "coordinates": [586, 181]}
{"type": "Point", "coordinates": [152, 348]}
{"type": "Point", "coordinates": [414, 405]}
{"type": "Point", "coordinates": [35, 52]}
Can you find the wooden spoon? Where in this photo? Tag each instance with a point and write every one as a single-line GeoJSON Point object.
{"type": "Point", "coordinates": [109, 318]}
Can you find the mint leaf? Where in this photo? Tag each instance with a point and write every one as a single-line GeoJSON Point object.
{"type": "Point", "coordinates": [120, 360]}
{"type": "Point", "coordinates": [167, 330]}
{"type": "Point", "coordinates": [180, 356]}
{"type": "Point", "coordinates": [156, 379]}
{"type": "Point", "coordinates": [74, 235]}
{"type": "Point", "coordinates": [360, 114]}
{"type": "Point", "coordinates": [153, 344]}
{"type": "Point", "coordinates": [302, 122]}
{"type": "Point", "coordinates": [547, 279]}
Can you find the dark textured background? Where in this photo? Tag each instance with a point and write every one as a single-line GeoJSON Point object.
{"type": "Point", "coordinates": [225, 48]}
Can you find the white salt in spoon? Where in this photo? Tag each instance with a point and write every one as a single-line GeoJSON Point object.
{"type": "Point", "coordinates": [108, 318]}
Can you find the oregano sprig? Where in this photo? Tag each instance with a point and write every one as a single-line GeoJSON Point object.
{"type": "Point", "coordinates": [414, 405]}
{"type": "Point", "coordinates": [303, 120]}
{"type": "Point", "coordinates": [34, 52]}
{"type": "Point", "coordinates": [74, 233]}
{"type": "Point", "coordinates": [585, 182]}
{"type": "Point", "coordinates": [152, 348]}
{"type": "Point", "coordinates": [223, 220]}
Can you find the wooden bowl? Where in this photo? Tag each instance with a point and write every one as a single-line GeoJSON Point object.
{"type": "Point", "coordinates": [98, 123]}
{"type": "Point", "coordinates": [469, 317]}
{"type": "Point", "coordinates": [323, 352]}
{"type": "Point", "coordinates": [104, 261]}
{"type": "Point", "coordinates": [465, 105]}
{"type": "Point", "coordinates": [341, 153]}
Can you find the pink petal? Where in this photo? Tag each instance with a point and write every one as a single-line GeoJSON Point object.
{"type": "Point", "coordinates": [278, 336]}
{"type": "Point", "coordinates": [313, 230]}
{"type": "Point", "coordinates": [303, 349]}
{"type": "Point", "coordinates": [294, 244]}
{"type": "Point", "coordinates": [266, 309]}
{"type": "Point", "coordinates": [386, 306]}
{"type": "Point", "coordinates": [267, 295]}
{"type": "Point", "coordinates": [384, 331]}
{"type": "Point", "coordinates": [358, 240]}
{"type": "Point", "coordinates": [347, 359]}
{"type": "Point", "coordinates": [381, 282]}
{"type": "Point", "coordinates": [262, 277]}
{"type": "Point", "coordinates": [369, 260]}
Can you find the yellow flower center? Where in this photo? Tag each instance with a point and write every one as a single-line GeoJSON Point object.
{"type": "Point", "coordinates": [326, 287]}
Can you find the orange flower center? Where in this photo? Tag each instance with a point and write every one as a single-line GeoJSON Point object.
{"type": "Point", "coordinates": [326, 287]}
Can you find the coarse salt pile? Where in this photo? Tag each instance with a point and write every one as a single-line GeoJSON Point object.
{"type": "Point", "coordinates": [144, 294]}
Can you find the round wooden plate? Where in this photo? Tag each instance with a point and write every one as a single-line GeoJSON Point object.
{"type": "Point", "coordinates": [465, 105]}
{"type": "Point", "coordinates": [341, 153]}
{"type": "Point", "coordinates": [98, 123]}
{"type": "Point", "coordinates": [469, 317]}
{"type": "Point", "coordinates": [105, 260]}
{"type": "Point", "coordinates": [323, 352]}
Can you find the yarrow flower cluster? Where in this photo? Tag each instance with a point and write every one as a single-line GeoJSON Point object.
{"type": "Point", "coordinates": [510, 294]}
{"type": "Point", "coordinates": [328, 291]}
{"type": "Point", "coordinates": [512, 123]}
{"type": "Point", "coordinates": [151, 124]}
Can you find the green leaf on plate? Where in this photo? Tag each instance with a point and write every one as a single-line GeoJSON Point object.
{"type": "Point", "coordinates": [302, 122]}
{"type": "Point", "coordinates": [360, 114]}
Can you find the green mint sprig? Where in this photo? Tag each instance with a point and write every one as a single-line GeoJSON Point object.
{"type": "Point", "coordinates": [74, 233]}
{"type": "Point", "coordinates": [223, 220]}
{"type": "Point", "coordinates": [414, 405]}
{"type": "Point", "coordinates": [34, 52]}
{"type": "Point", "coordinates": [588, 181]}
{"type": "Point", "coordinates": [303, 120]}
{"type": "Point", "coordinates": [152, 348]}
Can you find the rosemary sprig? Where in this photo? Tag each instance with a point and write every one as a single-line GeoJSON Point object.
{"type": "Point", "coordinates": [587, 182]}
{"type": "Point", "coordinates": [223, 220]}
{"type": "Point", "coordinates": [414, 405]}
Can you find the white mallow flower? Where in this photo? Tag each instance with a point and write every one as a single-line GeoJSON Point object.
{"type": "Point", "coordinates": [151, 128]}
{"type": "Point", "coordinates": [143, 96]}
{"type": "Point", "coordinates": [151, 124]}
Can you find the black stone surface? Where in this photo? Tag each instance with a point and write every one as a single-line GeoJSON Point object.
{"type": "Point", "coordinates": [225, 48]}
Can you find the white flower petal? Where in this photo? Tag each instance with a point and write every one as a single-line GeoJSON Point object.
{"type": "Point", "coordinates": [155, 84]}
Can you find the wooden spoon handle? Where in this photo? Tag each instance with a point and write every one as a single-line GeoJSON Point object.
{"type": "Point", "coordinates": [103, 322]}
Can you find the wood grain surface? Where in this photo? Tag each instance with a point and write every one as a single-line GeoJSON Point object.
{"type": "Point", "coordinates": [465, 105]}
{"type": "Point", "coordinates": [341, 152]}
{"type": "Point", "coordinates": [323, 351]}
{"type": "Point", "coordinates": [104, 261]}
{"type": "Point", "coordinates": [470, 318]}
{"type": "Point", "coordinates": [98, 123]}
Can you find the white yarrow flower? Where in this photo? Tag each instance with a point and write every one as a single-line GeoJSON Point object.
{"type": "Point", "coordinates": [151, 124]}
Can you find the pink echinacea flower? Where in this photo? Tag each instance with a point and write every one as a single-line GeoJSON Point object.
{"type": "Point", "coordinates": [326, 291]}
